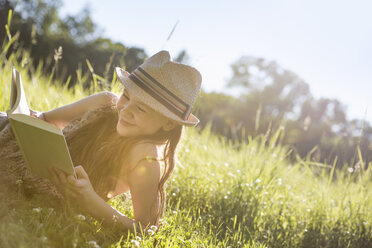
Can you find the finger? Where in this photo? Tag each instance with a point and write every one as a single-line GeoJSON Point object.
{"type": "Point", "coordinates": [72, 181]}
{"type": "Point", "coordinates": [61, 175]}
{"type": "Point", "coordinates": [67, 190]}
{"type": "Point", "coordinates": [54, 177]}
{"type": "Point", "coordinates": [80, 172]}
{"type": "Point", "coordinates": [71, 193]}
{"type": "Point", "coordinates": [56, 181]}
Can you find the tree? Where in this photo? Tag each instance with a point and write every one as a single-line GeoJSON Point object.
{"type": "Point", "coordinates": [272, 97]}
{"type": "Point", "coordinates": [64, 44]}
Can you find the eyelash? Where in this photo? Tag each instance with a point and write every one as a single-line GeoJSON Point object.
{"type": "Point", "coordinates": [139, 108]}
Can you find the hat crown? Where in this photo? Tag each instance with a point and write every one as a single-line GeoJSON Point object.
{"type": "Point", "coordinates": [182, 80]}
{"type": "Point", "coordinates": [168, 87]}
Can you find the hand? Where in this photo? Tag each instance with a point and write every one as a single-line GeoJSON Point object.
{"type": "Point", "coordinates": [80, 190]}
{"type": "Point", "coordinates": [36, 114]}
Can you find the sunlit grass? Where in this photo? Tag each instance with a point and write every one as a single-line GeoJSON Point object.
{"type": "Point", "coordinates": [221, 194]}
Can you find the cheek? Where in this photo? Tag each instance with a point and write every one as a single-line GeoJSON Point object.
{"type": "Point", "coordinates": [119, 104]}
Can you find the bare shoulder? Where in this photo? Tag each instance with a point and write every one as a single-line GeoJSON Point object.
{"type": "Point", "coordinates": [143, 150]}
{"type": "Point", "coordinates": [144, 155]}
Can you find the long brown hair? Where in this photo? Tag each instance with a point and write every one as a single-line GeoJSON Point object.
{"type": "Point", "coordinates": [102, 151]}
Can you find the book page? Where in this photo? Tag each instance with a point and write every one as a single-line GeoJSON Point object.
{"type": "Point", "coordinates": [18, 101]}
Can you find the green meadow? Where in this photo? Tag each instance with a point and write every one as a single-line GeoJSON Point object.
{"type": "Point", "coordinates": [222, 194]}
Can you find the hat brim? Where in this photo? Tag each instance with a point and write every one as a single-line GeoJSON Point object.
{"type": "Point", "coordinates": [147, 99]}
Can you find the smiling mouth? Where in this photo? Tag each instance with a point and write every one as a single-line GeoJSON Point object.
{"type": "Point", "coordinates": [124, 123]}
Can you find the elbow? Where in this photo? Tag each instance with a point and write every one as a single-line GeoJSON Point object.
{"type": "Point", "coordinates": [108, 98]}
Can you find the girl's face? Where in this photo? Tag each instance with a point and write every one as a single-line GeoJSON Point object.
{"type": "Point", "coordinates": [136, 118]}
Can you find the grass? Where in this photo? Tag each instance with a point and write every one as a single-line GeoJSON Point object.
{"type": "Point", "coordinates": [222, 194]}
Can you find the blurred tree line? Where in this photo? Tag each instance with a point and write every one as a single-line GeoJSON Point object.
{"type": "Point", "coordinates": [64, 44]}
{"type": "Point", "coordinates": [270, 96]}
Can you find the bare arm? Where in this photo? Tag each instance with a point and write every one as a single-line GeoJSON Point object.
{"type": "Point", "coordinates": [143, 183]}
{"type": "Point", "coordinates": [61, 116]}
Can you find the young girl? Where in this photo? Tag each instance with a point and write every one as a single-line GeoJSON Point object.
{"type": "Point", "coordinates": [119, 144]}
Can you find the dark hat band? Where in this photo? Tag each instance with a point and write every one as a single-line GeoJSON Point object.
{"type": "Point", "coordinates": [169, 100]}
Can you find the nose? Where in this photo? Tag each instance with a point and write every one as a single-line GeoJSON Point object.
{"type": "Point", "coordinates": [126, 110]}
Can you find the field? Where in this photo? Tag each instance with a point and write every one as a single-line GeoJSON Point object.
{"type": "Point", "coordinates": [222, 194]}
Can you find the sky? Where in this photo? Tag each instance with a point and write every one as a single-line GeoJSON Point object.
{"type": "Point", "coordinates": [326, 43]}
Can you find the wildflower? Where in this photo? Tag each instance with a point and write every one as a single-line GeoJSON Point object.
{"type": "Point", "coordinates": [115, 218]}
{"type": "Point", "coordinates": [350, 170]}
{"type": "Point", "coordinates": [174, 212]}
{"type": "Point", "coordinates": [19, 182]}
{"type": "Point", "coordinates": [279, 181]}
{"type": "Point", "coordinates": [93, 244]}
{"type": "Point", "coordinates": [135, 243]}
{"type": "Point", "coordinates": [174, 194]}
{"type": "Point", "coordinates": [230, 174]}
{"type": "Point", "coordinates": [43, 239]}
{"type": "Point", "coordinates": [227, 164]}
{"type": "Point", "coordinates": [205, 147]}
{"type": "Point", "coordinates": [238, 171]}
{"type": "Point", "coordinates": [308, 210]}
{"type": "Point", "coordinates": [138, 238]}
{"type": "Point", "coordinates": [163, 222]}
{"type": "Point", "coordinates": [225, 197]}
{"type": "Point", "coordinates": [187, 150]}
{"type": "Point", "coordinates": [305, 230]}
{"type": "Point", "coordinates": [80, 217]}
{"type": "Point", "coordinates": [221, 181]}
{"type": "Point", "coordinates": [36, 210]}
{"type": "Point", "coordinates": [257, 181]}
{"type": "Point", "coordinates": [150, 232]}
{"type": "Point", "coordinates": [154, 228]}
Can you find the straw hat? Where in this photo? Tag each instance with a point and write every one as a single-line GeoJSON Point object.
{"type": "Point", "coordinates": [168, 87]}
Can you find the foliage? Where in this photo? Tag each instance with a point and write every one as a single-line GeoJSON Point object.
{"type": "Point", "coordinates": [222, 193]}
{"type": "Point", "coordinates": [40, 30]}
{"type": "Point", "coordinates": [272, 97]}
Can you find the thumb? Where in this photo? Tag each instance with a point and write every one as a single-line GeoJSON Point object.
{"type": "Point", "coordinates": [80, 172]}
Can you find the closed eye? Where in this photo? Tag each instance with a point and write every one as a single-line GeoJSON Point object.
{"type": "Point", "coordinates": [127, 97]}
{"type": "Point", "coordinates": [141, 109]}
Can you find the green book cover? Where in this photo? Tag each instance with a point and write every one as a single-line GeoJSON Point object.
{"type": "Point", "coordinates": [43, 145]}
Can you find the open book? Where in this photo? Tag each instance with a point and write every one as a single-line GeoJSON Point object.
{"type": "Point", "coordinates": [43, 145]}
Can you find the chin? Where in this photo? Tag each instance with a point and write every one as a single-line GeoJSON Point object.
{"type": "Point", "coordinates": [123, 131]}
{"type": "Point", "coordinates": [120, 130]}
